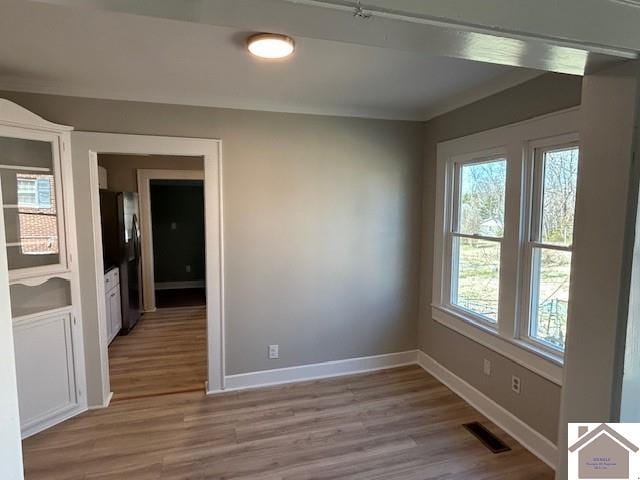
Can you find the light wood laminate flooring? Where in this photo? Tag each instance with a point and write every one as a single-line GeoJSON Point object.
{"type": "Point", "coordinates": [393, 424]}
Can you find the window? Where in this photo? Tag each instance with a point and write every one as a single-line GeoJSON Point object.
{"type": "Point", "coordinates": [34, 191]}
{"type": "Point", "coordinates": [477, 231]}
{"type": "Point", "coordinates": [505, 205]}
{"type": "Point", "coordinates": [548, 253]}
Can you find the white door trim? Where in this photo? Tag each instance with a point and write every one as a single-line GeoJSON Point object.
{"type": "Point", "coordinates": [89, 145]}
{"type": "Point", "coordinates": [144, 194]}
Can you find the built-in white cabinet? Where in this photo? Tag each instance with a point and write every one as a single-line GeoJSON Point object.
{"type": "Point", "coordinates": [39, 219]}
{"type": "Point", "coordinates": [45, 369]}
{"type": "Point", "coordinates": [113, 303]}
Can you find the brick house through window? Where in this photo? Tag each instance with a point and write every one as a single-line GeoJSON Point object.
{"type": "Point", "coordinates": [37, 215]}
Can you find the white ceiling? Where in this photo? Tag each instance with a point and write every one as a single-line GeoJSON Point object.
{"type": "Point", "coordinates": [84, 52]}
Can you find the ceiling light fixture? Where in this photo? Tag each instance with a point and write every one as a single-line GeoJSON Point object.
{"type": "Point", "coordinates": [270, 45]}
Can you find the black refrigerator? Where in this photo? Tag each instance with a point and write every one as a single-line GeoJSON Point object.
{"type": "Point", "coordinates": [121, 249]}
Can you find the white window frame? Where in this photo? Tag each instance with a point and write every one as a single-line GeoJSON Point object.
{"type": "Point", "coordinates": [514, 142]}
{"type": "Point", "coordinates": [452, 212]}
{"type": "Point", "coordinates": [534, 178]}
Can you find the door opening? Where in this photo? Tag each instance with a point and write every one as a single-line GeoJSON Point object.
{"type": "Point", "coordinates": [177, 220]}
{"type": "Point", "coordinates": [86, 147]}
{"type": "Point", "coordinates": [149, 214]}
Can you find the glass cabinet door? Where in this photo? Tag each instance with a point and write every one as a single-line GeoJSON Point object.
{"type": "Point", "coordinates": [32, 205]}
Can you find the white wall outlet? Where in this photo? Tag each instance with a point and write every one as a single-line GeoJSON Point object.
{"type": "Point", "coordinates": [515, 384]}
{"type": "Point", "coordinates": [274, 352]}
{"type": "Point", "coordinates": [174, 226]}
{"type": "Point", "coordinates": [188, 268]}
{"type": "Point", "coordinates": [487, 367]}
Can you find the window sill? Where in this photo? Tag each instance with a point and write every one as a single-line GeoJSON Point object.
{"type": "Point", "coordinates": [525, 354]}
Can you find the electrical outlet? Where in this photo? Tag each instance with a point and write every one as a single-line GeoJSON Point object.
{"type": "Point", "coordinates": [188, 268]}
{"type": "Point", "coordinates": [174, 226]}
{"type": "Point", "coordinates": [515, 384]}
{"type": "Point", "coordinates": [274, 352]}
{"type": "Point", "coordinates": [487, 367]}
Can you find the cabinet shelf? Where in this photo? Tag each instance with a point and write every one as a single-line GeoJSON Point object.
{"type": "Point", "coordinates": [20, 244]}
{"type": "Point", "coordinates": [25, 168]}
{"type": "Point", "coordinates": [37, 280]}
{"type": "Point", "coordinates": [37, 313]}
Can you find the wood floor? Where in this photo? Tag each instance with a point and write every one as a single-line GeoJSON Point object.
{"type": "Point", "coordinates": [394, 424]}
{"type": "Point", "coordinates": [165, 353]}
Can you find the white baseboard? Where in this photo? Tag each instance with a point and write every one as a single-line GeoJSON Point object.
{"type": "Point", "coordinates": [532, 440]}
{"type": "Point", "coordinates": [179, 285]}
{"type": "Point", "coordinates": [105, 404]}
{"type": "Point", "coordinates": [38, 426]}
{"type": "Point", "coordinates": [315, 371]}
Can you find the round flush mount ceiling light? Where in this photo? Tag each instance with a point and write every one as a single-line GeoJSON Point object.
{"type": "Point", "coordinates": [270, 45]}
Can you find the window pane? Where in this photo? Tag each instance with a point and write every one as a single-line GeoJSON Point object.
{"type": "Point", "coordinates": [37, 220]}
{"type": "Point", "coordinates": [27, 175]}
{"type": "Point", "coordinates": [482, 191]}
{"type": "Point", "coordinates": [476, 276]}
{"type": "Point", "coordinates": [26, 192]}
{"type": "Point", "coordinates": [550, 295]}
{"type": "Point", "coordinates": [45, 185]}
{"type": "Point", "coordinates": [559, 195]}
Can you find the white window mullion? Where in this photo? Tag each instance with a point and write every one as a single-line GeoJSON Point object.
{"type": "Point", "coordinates": [530, 221]}
{"type": "Point", "coordinates": [510, 259]}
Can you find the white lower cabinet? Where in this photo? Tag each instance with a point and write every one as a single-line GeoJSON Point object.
{"type": "Point", "coordinates": [46, 371]}
{"type": "Point", "coordinates": [113, 303]}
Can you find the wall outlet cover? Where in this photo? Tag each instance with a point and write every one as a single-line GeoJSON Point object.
{"type": "Point", "coordinates": [516, 384]}
{"type": "Point", "coordinates": [486, 368]}
{"type": "Point", "coordinates": [274, 352]}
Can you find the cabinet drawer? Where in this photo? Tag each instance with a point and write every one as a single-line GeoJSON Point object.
{"type": "Point", "coordinates": [111, 279]}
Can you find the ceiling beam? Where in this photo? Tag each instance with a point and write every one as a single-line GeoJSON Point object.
{"type": "Point", "coordinates": [566, 22]}
{"type": "Point", "coordinates": [412, 25]}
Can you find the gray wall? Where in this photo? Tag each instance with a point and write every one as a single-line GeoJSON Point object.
{"type": "Point", "coordinates": [321, 223]}
{"type": "Point", "coordinates": [122, 170]}
{"type": "Point", "coordinates": [538, 404]}
{"type": "Point", "coordinates": [180, 205]}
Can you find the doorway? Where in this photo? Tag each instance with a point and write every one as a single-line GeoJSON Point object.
{"type": "Point", "coordinates": [177, 220]}
{"type": "Point", "coordinates": [86, 147]}
{"type": "Point", "coordinates": [150, 210]}
{"type": "Point", "coordinates": [173, 250]}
